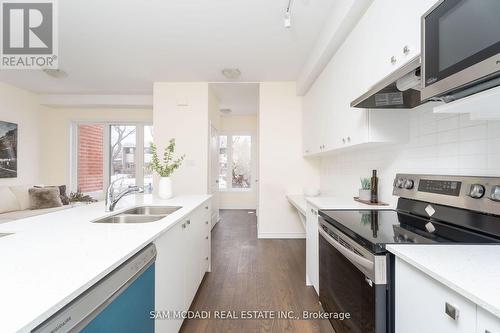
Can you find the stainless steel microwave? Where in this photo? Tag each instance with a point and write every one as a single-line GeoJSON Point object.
{"type": "Point", "coordinates": [460, 48]}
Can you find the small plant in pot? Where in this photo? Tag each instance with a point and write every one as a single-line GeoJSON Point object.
{"type": "Point", "coordinates": [165, 168]}
{"type": "Point", "coordinates": [365, 190]}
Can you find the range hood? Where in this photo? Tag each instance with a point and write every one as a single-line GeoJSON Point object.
{"type": "Point", "coordinates": [399, 90]}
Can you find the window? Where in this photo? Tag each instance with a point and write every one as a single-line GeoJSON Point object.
{"type": "Point", "coordinates": [90, 158]}
{"type": "Point", "coordinates": [105, 152]}
{"type": "Point", "coordinates": [235, 162]}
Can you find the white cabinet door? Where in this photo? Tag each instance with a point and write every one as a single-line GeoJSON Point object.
{"type": "Point", "coordinates": [425, 305]}
{"type": "Point", "coordinates": [311, 125]}
{"type": "Point", "coordinates": [169, 276]}
{"type": "Point", "coordinates": [312, 250]}
{"type": "Point", "coordinates": [487, 322]}
{"type": "Point", "coordinates": [193, 236]}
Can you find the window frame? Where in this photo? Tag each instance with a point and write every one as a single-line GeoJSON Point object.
{"type": "Point", "coordinates": [139, 154]}
{"type": "Point", "coordinates": [229, 135]}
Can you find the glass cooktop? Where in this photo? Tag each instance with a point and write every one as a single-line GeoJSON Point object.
{"type": "Point", "coordinates": [375, 228]}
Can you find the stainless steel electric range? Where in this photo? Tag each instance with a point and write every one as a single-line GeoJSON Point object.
{"type": "Point", "coordinates": [355, 268]}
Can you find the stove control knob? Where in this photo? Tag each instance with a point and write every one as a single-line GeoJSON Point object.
{"type": "Point", "coordinates": [409, 184]}
{"type": "Point", "coordinates": [400, 183]}
{"type": "Point", "coordinates": [476, 191]}
{"type": "Point", "coordinates": [495, 193]}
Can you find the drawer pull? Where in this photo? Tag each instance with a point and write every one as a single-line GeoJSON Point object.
{"type": "Point", "coordinates": [451, 311]}
{"type": "Point", "coordinates": [206, 222]}
{"type": "Point", "coordinates": [188, 222]}
{"type": "Point", "coordinates": [206, 207]}
{"type": "Point", "coordinates": [206, 237]}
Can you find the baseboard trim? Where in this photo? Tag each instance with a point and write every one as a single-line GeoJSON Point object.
{"type": "Point", "coordinates": [281, 235]}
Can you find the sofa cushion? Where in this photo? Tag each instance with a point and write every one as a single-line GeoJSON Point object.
{"type": "Point", "coordinates": [62, 192]}
{"type": "Point", "coordinates": [8, 201]}
{"type": "Point", "coordinates": [47, 197]}
{"type": "Point", "coordinates": [22, 195]}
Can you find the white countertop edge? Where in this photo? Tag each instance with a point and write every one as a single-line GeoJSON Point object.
{"type": "Point", "coordinates": [298, 201]}
{"type": "Point", "coordinates": [441, 279]}
{"type": "Point", "coordinates": [65, 301]}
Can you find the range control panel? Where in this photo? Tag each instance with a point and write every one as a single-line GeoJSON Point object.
{"type": "Point", "coordinates": [474, 193]}
{"type": "Point", "coordinates": [445, 187]}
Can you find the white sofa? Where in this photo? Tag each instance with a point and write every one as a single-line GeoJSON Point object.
{"type": "Point", "coordinates": [15, 204]}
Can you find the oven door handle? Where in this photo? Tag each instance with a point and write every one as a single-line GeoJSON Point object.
{"type": "Point", "coordinates": [355, 258]}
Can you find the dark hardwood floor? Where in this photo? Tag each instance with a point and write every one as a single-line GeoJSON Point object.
{"type": "Point", "coordinates": [252, 274]}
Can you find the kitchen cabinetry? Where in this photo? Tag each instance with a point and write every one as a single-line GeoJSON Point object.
{"type": "Point", "coordinates": [423, 304]}
{"type": "Point", "coordinates": [312, 250]}
{"type": "Point", "coordinates": [386, 38]}
{"type": "Point", "coordinates": [486, 322]}
{"type": "Point", "coordinates": [183, 255]}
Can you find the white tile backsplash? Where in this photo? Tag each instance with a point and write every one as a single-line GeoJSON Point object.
{"type": "Point", "coordinates": [439, 144]}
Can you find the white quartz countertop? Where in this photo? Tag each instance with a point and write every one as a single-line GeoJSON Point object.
{"type": "Point", "coordinates": [51, 259]}
{"type": "Point", "coordinates": [472, 271]}
{"type": "Point", "coordinates": [325, 202]}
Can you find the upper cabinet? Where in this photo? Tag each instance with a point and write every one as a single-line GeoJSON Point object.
{"type": "Point", "coordinates": [385, 38]}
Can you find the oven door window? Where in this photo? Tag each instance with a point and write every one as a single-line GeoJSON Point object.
{"type": "Point", "coordinates": [459, 34]}
{"type": "Point", "coordinates": [343, 288]}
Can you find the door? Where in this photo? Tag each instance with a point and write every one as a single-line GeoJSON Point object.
{"type": "Point", "coordinates": [343, 289]}
{"type": "Point", "coordinates": [214, 174]}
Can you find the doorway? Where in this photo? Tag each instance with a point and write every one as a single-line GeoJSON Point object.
{"type": "Point", "coordinates": [238, 146]}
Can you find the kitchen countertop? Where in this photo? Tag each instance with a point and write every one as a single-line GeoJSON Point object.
{"type": "Point", "coordinates": [325, 202]}
{"type": "Point", "coordinates": [470, 270]}
{"type": "Point", "coordinates": [51, 259]}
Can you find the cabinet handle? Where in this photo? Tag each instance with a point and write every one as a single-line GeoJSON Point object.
{"type": "Point", "coordinates": [348, 139]}
{"type": "Point", "coordinates": [206, 237]}
{"type": "Point", "coordinates": [312, 210]}
{"type": "Point", "coordinates": [406, 50]}
{"type": "Point", "coordinates": [307, 151]}
{"type": "Point", "coordinates": [343, 140]}
{"type": "Point", "coordinates": [206, 207]}
{"type": "Point", "coordinates": [206, 222]}
{"type": "Point", "coordinates": [206, 258]}
{"type": "Point", "coordinates": [393, 60]}
{"type": "Point", "coordinates": [451, 311]}
{"type": "Point", "coordinates": [184, 226]}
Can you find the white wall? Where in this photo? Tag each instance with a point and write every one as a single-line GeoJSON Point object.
{"type": "Point", "coordinates": [22, 107]}
{"type": "Point", "coordinates": [242, 124]}
{"type": "Point", "coordinates": [281, 165]}
{"type": "Point", "coordinates": [439, 144]}
{"type": "Point", "coordinates": [180, 111]}
{"type": "Point", "coordinates": [55, 137]}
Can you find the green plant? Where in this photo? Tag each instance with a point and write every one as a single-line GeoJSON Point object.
{"type": "Point", "coordinates": [168, 165]}
{"type": "Point", "coordinates": [366, 183]}
{"type": "Point", "coordinates": [80, 197]}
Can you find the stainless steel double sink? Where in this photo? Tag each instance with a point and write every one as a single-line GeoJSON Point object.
{"type": "Point", "coordinates": [143, 214]}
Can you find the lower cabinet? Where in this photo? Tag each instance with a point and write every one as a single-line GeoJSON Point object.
{"type": "Point", "coordinates": [423, 304]}
{"type": "Point", "coordinates": [183, 255]}
{"type": "Point", "coordinates": [312, 250]}
{"type": "Point", "coordinates": [487, 322]}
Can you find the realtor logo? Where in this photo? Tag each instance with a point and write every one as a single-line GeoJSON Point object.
{"type": "Point", "coordinates": [29, 34]}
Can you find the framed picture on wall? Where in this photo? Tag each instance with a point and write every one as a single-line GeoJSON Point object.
{"type": "Point", "coordinates": [8, 150]}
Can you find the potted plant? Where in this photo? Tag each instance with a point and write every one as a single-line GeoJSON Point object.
{"type": "Point", "coordinates": [165, 168]}
{"type": "Point", "coordinates": [365, 190]}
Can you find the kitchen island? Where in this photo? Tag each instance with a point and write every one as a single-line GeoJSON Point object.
{"type": "Point", "coordinates": [49, 260]}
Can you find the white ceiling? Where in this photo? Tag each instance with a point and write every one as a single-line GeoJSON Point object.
{"type": "Point", "coordinates": [123, 46]}
{"type": "Point", "coordinates": [241, 98]}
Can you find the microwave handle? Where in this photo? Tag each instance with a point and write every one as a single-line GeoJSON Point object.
{"type": "Point", "coordinates": [355, 258]}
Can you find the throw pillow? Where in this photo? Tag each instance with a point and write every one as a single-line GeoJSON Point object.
{"type": "Point", "coordinates": [46, 197]}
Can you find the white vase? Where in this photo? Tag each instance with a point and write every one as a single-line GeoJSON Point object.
{"type": "Point", "coordinates": [365, 195]}
{"type": "Point", "coordinates": [165, 188]}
